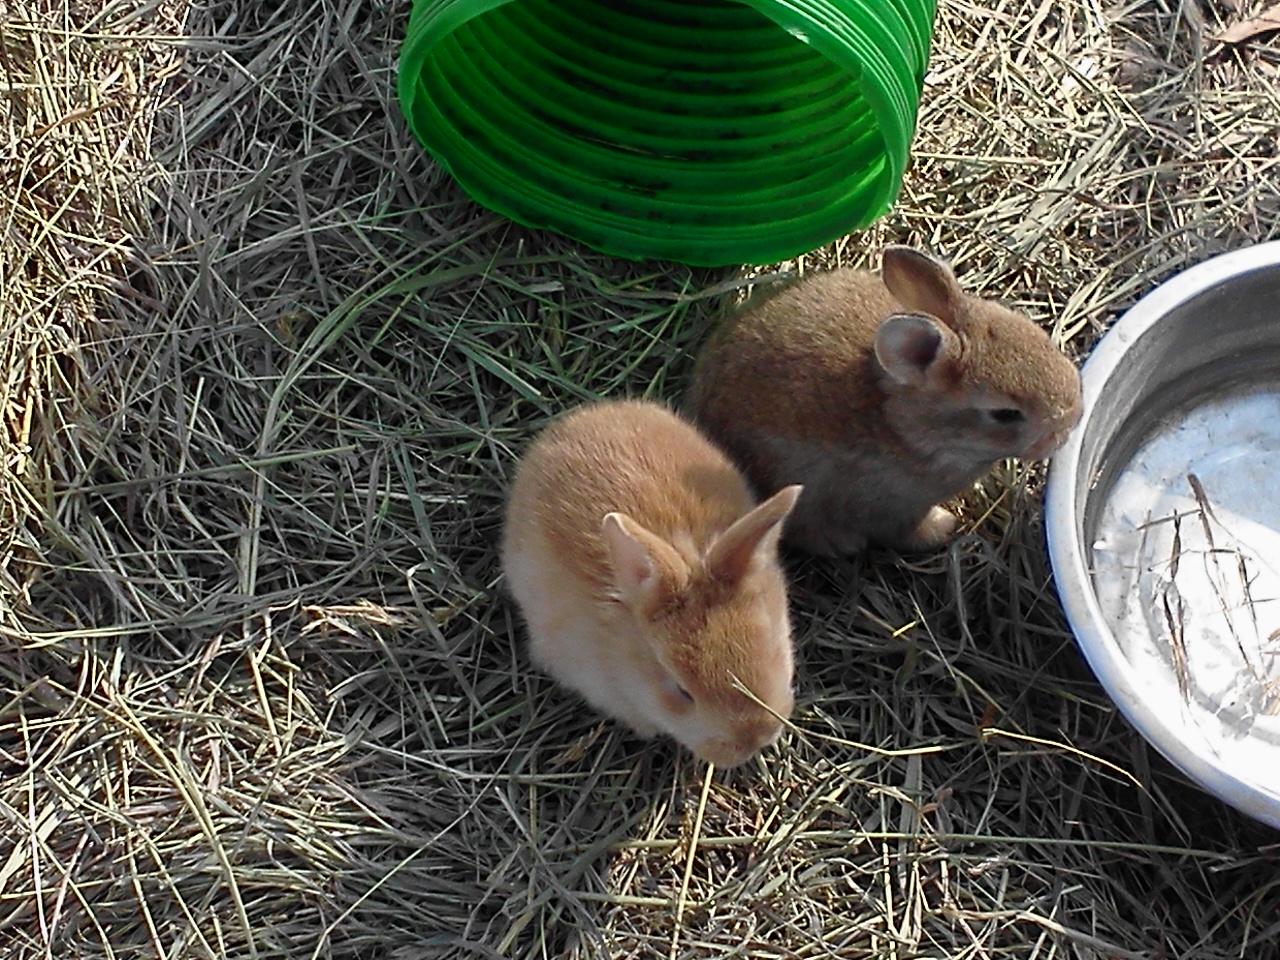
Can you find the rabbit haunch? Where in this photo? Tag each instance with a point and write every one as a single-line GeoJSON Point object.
{"type": "Point", "coordinates": [648, 579]}
{"type": "Point", "coordinates": [884, 394]}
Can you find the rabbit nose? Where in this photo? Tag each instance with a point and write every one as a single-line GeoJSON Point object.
{"type": "Point", "coordinates": [1046, 444]}
{"type": "Point", "coordinates": [771, 736]}
{"type": "Point", "coordinates": [1041, 447]}
{"type": "Point", "coordinates": [726, 753]}
{"type": "Point", "coordinates": [743, 743]}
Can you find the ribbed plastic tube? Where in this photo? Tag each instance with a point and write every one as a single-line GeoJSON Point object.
{"type": "Point", "coordinates": [704, 131]}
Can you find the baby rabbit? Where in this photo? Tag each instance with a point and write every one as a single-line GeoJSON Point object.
{"type": "Point", "coordinates": [883, 395]}
{"type": "Point", "coordinates": [649, 580]}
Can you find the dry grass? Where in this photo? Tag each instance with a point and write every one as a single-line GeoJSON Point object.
{"type": "Point", "coordinates": [82, 87]}
{"type": "Point", "coordinates": [262, 693]}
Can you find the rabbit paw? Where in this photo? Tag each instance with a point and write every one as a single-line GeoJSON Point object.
{"type": "Point", "coordinates": [934, 531]}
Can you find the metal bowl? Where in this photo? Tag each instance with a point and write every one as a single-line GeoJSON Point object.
{"type": "Point", "coordinates": [1163, 516]}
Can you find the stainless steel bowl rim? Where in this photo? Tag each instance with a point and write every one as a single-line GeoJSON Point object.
{"type": "Point", "coordinates": [1067, 554]}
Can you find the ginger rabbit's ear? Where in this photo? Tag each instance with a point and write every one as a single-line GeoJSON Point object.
{"type": "Point", "coordinates": [648, 573]}
{"type": "Point", "coordinates": [752, 537]}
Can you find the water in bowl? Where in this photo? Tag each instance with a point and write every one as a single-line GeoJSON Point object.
{"type": "Point", "coordinates": [1186, 562]}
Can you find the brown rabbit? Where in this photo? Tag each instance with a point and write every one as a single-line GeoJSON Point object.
{"type": "Point", "coordinates": [884, 395]}
{"type": "Point", "coordinates": [649, 580]}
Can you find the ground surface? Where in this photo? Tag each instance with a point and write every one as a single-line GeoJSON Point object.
{"type": "Point", "coordinates": [266, 372]}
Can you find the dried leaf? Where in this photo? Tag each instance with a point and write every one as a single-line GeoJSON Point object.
{"type": "Point", "coordinates": [1245, 30]}
{"type": "Point", "coordinates": [988, 718]}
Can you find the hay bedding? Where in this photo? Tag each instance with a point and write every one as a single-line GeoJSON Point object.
{"type": "Point", "coordinates": [266, 371]}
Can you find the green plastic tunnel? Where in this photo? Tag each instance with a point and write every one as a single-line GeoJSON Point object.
{"type": "Point", "coordinates": [704, 131]}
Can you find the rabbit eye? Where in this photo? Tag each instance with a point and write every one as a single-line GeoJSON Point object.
{"type": "Point", "coordinates": [672, 689]}
{"type": "Point", "coordinates": [1007, 415]}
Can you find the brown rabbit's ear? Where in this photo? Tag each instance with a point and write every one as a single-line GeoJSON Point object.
{"type": "Point", "coordinates": [921, 283]}
{"type": "Point", "coordinates": [648, 573]}
{"type": "Point", "coordinates": [907, 345]}
{"type": "Point", "coordinates": [753, 536]}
